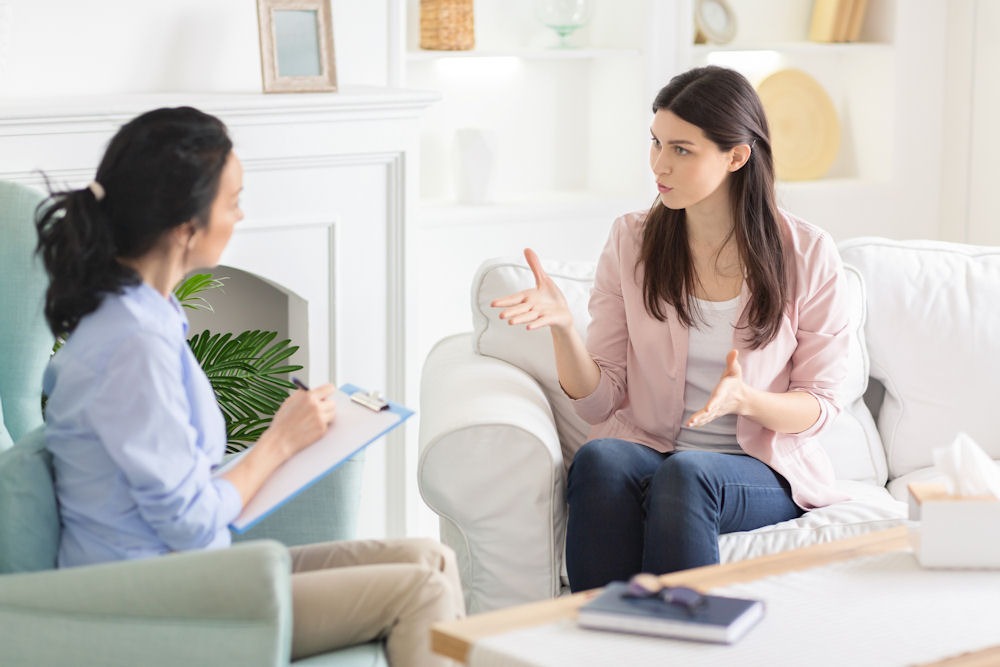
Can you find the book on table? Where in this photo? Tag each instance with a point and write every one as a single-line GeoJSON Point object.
{"type": "Point", "coordinates": [715, 618]}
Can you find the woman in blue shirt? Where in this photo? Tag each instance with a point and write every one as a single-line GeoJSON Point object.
{"type": "Point", "coordinates": [132, 421]}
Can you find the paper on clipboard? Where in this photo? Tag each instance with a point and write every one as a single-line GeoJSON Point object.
{"type": "Point", "coordinates": [354, 428]}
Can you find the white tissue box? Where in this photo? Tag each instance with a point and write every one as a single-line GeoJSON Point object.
{"type": "Point", "coordinates": [954, 531]}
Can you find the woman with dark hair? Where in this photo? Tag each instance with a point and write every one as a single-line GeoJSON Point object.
{"type": "Point", "coordinates": [717, 342]}
{"type": "Point", "coordinates": [132, 422]}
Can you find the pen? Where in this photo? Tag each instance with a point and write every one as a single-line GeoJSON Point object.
{"type": "Point", "coordinates": [300, 384]}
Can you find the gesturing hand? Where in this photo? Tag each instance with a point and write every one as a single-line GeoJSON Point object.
{"type": "Point", "coordinates": [727, 397]}
{"type": "Point", "coordinates": [541, 306]}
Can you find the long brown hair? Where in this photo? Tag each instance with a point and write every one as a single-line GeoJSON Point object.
{"type": "Point", "coordinates": [725, 106]}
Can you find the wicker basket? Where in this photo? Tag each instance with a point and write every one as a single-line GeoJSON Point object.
{"type": "Point", "coordinates": [447, 25]}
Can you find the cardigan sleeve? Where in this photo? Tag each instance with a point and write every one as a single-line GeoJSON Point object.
{"type": "Point", "coordinates": [819, 362]}
{"type": "Point", "coordinates": [607, 333]}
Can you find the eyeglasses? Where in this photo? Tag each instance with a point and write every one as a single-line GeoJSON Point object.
{"type": "Point", "coordinates": [645, 585]}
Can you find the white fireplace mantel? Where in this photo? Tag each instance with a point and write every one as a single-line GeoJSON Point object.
{"type": "Point", "coordinates": [329, 182]}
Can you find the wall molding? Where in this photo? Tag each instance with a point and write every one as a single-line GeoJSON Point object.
{"type": "Point", "coordinates": [329, 204]}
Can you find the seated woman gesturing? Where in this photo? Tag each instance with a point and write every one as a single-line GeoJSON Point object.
{"type": "Point", "coordinates": [718, 339]}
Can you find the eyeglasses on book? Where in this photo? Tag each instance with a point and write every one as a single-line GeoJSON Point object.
{"type": "Point", "coordinates": [645, 585]}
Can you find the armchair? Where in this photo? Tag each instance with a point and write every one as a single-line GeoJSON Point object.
{"type": "Point", "coordinates": [226, 607]}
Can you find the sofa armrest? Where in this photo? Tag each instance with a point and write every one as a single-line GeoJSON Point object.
{"type": "Point", "coordinates": [491, 467]}
{"type": "Point", "coordinates": [225, 607]}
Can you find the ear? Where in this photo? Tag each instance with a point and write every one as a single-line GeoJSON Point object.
{"type": "Point", "coordinates": [738, 156]}
{"type": "Point", "coordinates": [184, 233]}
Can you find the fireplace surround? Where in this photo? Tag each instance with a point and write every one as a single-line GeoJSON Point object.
{"type": "Point", "coordinates": [329, 182]}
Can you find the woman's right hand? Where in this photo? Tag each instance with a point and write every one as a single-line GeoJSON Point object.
{"type": "Point", "coordinates": [545, 306]}
{"type": "Point", "coordinates": [303, 417]}
{"type": "Point", "coordinates": [541, 306]}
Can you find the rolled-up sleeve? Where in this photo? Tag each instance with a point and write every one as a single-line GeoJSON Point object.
{"type": "Point", "coordinates": [819, 362]}
{"type": "Point", "coordinates": [607, 334]}
{"type": "Point", "coordinates": [143, 418]}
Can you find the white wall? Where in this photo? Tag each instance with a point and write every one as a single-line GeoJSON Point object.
{"type": "Point", "coordinates": [970, 209]}
{"type": "Point", "coordinates": [86, 47]}
{"type": "Point", "coordinates": [68, 47]}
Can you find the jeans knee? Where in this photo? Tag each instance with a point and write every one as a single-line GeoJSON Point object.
{"type": "Point", "coordinates": [685, 472]}
{"type": "Point", "coordinates": [601, 457]}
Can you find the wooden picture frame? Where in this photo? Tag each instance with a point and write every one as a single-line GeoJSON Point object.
{"type": "Point", "coordinates": [296, 46]}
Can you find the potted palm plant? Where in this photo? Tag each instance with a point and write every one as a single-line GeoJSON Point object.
{"type": "Point", "coordinates": [248, 371]}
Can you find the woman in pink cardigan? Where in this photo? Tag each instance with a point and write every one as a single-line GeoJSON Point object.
{"type": "Point", "coordinates": [717, 342]}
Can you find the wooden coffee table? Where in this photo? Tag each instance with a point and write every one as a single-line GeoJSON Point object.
{"type": "Point", "coordinates": [456, 639]}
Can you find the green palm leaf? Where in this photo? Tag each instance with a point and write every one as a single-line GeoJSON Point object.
{"type": "Point", "coordinates": [188, 291]}
{"type": "Point", "coordinates": [247, 372]}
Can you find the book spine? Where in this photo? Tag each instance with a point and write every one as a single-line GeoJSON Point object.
{"type": "Point", "coordinates": [857, 20]}
{"type": "Point", "coordinates": [830, 18]}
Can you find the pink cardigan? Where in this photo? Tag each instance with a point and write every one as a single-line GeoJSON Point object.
{"type": "Point", "coordinates": [643, 361]}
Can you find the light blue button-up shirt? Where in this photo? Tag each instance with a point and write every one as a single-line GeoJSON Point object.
{"type": "Point", "coordinates": [134, 430]}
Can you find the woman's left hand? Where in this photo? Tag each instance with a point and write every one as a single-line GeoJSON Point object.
{"type": "Point", "coordinates": [727, 397]}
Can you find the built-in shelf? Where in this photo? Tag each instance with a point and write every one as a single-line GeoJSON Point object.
{"type": "Point", "coordinates": [526, 53]}
{"type": "Point", "coordinates": [795, 47]}
{"type": "Point", "coordinates": [556, 207]}
{"type": "Point", "coordinates": [560, 207]}
{"type": "Point", "coordinates": [832, 184]}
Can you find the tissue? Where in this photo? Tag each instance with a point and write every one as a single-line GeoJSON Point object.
{"type": "Point", "coordinates": [969, 471]}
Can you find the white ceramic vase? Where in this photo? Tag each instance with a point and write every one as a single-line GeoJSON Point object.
{"type": "Point", "coordinates": [475, 165]}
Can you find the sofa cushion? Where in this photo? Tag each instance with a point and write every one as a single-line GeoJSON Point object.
{"type": "Point", "coordinates": [932, 331]}
{"type": "Point", "coordinates": [871, 508]}
{"type": "Point", "coordinates": [29, 520]}
{"type": "Point", "coordinates": [852, 440]}
{"type": "Point", "coordinates": [531, 351]}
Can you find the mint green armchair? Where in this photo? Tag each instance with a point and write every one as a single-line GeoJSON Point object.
{"type": "Point", "coordinates": [220, 608]}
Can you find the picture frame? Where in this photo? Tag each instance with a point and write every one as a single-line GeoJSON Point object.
{"type": "Point", "coordinates": [296, 46]}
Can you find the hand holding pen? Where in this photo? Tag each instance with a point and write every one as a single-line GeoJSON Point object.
{"type": "Point", "coordinates": [305, 414]}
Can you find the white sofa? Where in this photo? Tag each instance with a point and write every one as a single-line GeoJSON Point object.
{"type": "Point", "coordinates": [497, 433]}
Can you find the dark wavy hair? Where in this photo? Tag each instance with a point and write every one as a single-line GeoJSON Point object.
{"type": "Point", "coordinates": [160, 170]}
{"type": "Point", "coordinates": [725, 106]}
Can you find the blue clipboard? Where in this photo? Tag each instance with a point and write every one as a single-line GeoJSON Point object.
{"type": "Point", "coordinates": [358, 423]}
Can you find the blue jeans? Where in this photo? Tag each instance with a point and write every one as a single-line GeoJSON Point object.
{"type": "Point", "coordinates": [633, 509]}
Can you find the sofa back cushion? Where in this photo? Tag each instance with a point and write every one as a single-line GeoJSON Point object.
{"type": "Point", "coordinates": [29, 520]}
{"type": "Point", "coordinates": [852, 440]}
{"type": "Point", "coordinates": [932, 332]}
{"type": "Point", "coordinates": [531, 351]}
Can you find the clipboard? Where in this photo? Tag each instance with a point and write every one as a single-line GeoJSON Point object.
{"type": "Point", "coordinates": [355, 427]}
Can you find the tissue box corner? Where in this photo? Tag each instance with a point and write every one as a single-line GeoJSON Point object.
{"type": "Point", "coordinates": [955, 531]}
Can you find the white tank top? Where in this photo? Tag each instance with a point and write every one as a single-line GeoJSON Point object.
{"type": "Point", "coordinates": [709, 340]}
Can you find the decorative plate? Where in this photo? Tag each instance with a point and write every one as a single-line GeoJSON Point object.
{"type": "Point", "coordinates": [805, 129]}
